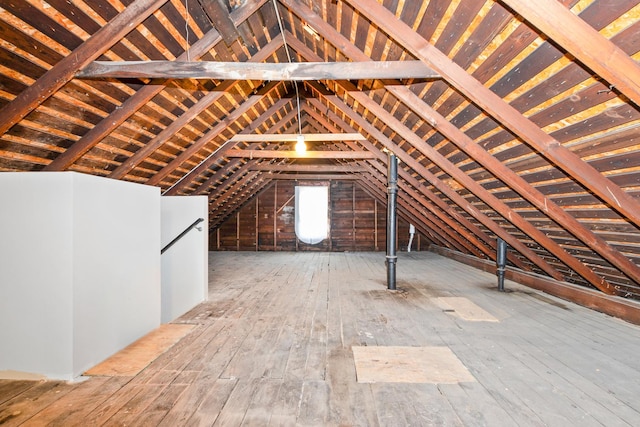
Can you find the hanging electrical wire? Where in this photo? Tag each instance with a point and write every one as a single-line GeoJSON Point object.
{"type": "Point", "coordinates": [286, 49]}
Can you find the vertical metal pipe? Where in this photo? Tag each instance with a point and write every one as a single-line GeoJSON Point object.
{"type": "Point", "coordinates": [501, 262]}
{"type": "Point", "coordinates": [392, 220]}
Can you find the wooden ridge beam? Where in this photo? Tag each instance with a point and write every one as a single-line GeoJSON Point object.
{"type": "Point", "coordinates": [499, 109]}
{"type": "Point", "coordinates": [280, 71]}
{"type": "Point", "coordinates": [308, 137]}
{"type": "Point", "coordinates": [286, 154]}
{"type": "Point", "coordinates": [585, 43]}
{"type": "Point", "coordinates": [61, 73]}
{"type": "Point", "coordinates": [140, 98]}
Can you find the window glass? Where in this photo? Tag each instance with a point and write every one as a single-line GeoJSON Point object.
{"type": "Point", "coordinates": [312, 213]}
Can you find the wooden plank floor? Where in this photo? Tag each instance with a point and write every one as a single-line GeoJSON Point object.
{"type": "Point", "coordinates": [273, 347]}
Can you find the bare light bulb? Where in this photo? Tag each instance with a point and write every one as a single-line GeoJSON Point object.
{"type": "Point", "coordinates": [301, 147]}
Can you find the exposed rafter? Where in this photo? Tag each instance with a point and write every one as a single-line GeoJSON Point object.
{"type": "Point", "coordinates": [508, 122]}
{"type": "Point", "coordinates": [65, 70]}
{"type": "Point", "coordinates": [584, 42]}
{"type": "Point", "coordinates": [141, 97]}
{"type": "Point", "coordinates": [501, 110]}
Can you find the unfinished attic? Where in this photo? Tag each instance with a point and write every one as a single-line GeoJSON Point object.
{"type": "Point", "coordinates": [511, 123]}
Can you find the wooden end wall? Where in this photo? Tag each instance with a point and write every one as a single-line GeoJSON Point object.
{"type": "Point", "coordinates": [267, 223]}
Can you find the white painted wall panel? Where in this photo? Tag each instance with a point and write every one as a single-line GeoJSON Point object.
{"type": "Point", "coordinates": [36, 273]}
{"type": "Point", "coordinates": [185, 264]}
{"type": "Point", "coordinates": [79, 272]}
{"type": "Point", "coordinates": [116, 266]}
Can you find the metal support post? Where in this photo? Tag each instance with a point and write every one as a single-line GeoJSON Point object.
{"type": "Point", "coordinates": [392, 220]}
{"type": "Point", "coordinates": [501, 262]}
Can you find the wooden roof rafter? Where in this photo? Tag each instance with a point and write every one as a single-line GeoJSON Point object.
{"type": "Point", "coordinates": [441, 186]}
{"type": "Point", "coordinates": [373, 185]}
{"type": "Point", "coordinates": [584, 42]}
{"type": "Point", "coordinates": [202, 104]}
{"type": "Point", "coordinates": [525, 65]}
{"type": "Point", "coordinates": [409, 181]}
{"type": "Point", "coordinates": [213, 132]}
{"type": "Point", "coordinates": [441, 222]}
{"type": "Point", "coordinates": [66, 68]}
{"type": "Point", "coordinates": [502, 111]}
{"type": "Point", "coordinates": [215, 156]}
{"type": "Point", "coordinates": [142, 96]}
{"type": "Point", "coordinates": [488, 161]}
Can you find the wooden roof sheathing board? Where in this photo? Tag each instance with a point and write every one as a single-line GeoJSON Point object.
{"type": "Point", "coordinates": [530, 134]}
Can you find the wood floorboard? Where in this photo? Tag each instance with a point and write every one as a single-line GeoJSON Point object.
{"type": "Point", "coordinates": [25, 405]}
{"type": "Point", "coordinates": [273, 347]}
{"type": "Point", "coordinates": [10, 388]}
{"type": "Point", "coordinates": [214, 400]}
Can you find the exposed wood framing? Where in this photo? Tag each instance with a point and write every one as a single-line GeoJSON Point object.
{"type": "Point", "coordinates": [295, 71]}
{"type": "Point", "coordinates": [213, 133]}
{"type": "Point", "coordinates": [219, 16]}
{"type": "Point", "coordinates": [443, 187]}
{"type": "Point", "coordinates": [204, 103]}
{"type": "Point", "coordinates": [313, 177]}
{"type": "Point", "coordinates": [308, 168]}
{"type": "Point", "coordinates": [142, 96]}
{"type": "Point", "coordinates": [308, 137]}
{"type": "Point", "coordinates": [429, 200]}
{"type": "Point", "coordinates": [502, 111]}
{"type": "Point", "coordinates": [65, 70]}
{"type": "Point", "coordinates": [219, 153]}
{"type": "Point", "coordinates": [583, 42]}
{"type": "Point", "coordinates": [511, 120]}
{"type": "Point", "coordinates": [282, 154]}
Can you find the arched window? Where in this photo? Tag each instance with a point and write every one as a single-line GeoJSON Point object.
{"type": "Point", "coordinates": [312, 213]}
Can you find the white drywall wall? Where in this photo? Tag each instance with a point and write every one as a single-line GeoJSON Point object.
{"type": "Point", "coordinates": [184, 265]}
{"type": "Point", "coordinates": [36, 275]}
{"type": "Point", "coordinates": [79, 270]}
{"type": "Point", "coordinates": [116, 266]}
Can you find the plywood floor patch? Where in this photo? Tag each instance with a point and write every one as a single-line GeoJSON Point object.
{"type": "Point", "coordinates": [464, 309]}
{"type": "Point", "coordinates": [134, 358]}
{"type": "Point", "coordinates": [435, 365]}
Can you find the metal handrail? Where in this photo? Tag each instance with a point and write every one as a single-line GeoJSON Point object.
{"type": "Point", "coordinates": [181, 235]}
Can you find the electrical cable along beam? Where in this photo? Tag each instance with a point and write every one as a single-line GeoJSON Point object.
{"type": "Point", "coordinates": [295, 71]}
